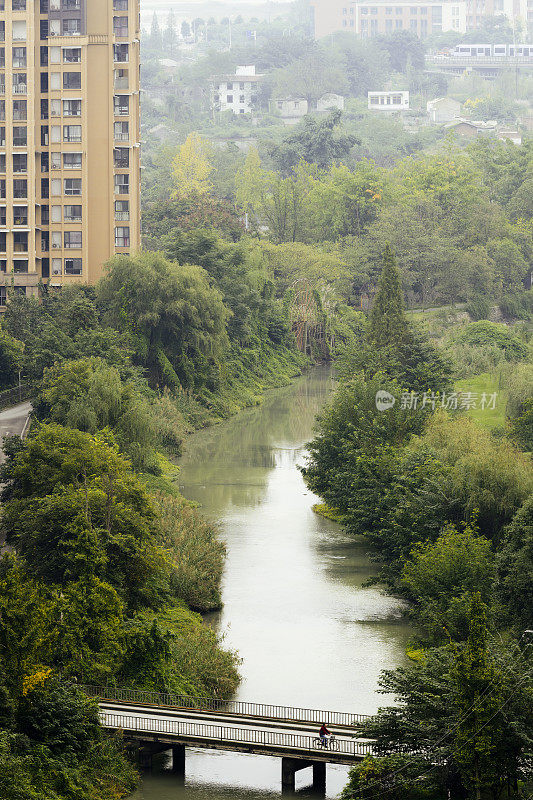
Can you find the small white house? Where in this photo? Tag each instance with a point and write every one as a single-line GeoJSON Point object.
{"type": "Point", "coordinates": [388, 101]}
{"type": "Point", "coordinates": [329, 101]}
{"type": "Point", "coordinates": [290, 109]}
{"type": "Point", "coordinates": [237, 92]}
{"type": "Point", "coordinates": [443, 109]}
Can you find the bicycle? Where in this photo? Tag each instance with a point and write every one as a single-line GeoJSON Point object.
{"type": "Point", "coordinates": [329, 743]}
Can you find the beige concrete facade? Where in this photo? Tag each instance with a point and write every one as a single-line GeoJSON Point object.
{"type": "Point", "coordinates": [70, 140]}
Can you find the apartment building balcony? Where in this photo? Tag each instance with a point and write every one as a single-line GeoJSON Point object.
{"type": "Point", "coordinates": [122, 83]}
{"type": "Point", "coordinates": [20, 88]}
{"type": "Point", "coordinates": [19, 278]}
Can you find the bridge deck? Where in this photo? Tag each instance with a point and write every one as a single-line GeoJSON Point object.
{"type": "Point", "coordinates": [266, 738]}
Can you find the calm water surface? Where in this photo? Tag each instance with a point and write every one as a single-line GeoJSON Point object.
{"type": "Point", "coordinates": [294, 606]}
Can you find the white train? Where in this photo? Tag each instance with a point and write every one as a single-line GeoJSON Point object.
{"type": "Point", "coordinates": [493, 50]}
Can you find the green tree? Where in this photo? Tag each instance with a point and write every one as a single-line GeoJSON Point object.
{"type": "Point", "coordinates": [310, 76]}
{"type": "Point", "coordinates": [388, 324]}
{"type": "Point", "coordinates": [11, 359]}
{"type": "Point", "coordinates": [515, 569]}
{"type": "Point", "coordinates": [318, 142]}
{"type": "Point", "coordinates": [485, 747]}
{"type": "Point", "coordinates": [442, 575]}
{"type": "Point", "coordinates": [88, 395]}
{"type": "Point", "coordinates": [72, 508]}
{"type": "Point", "coordinates": [156, 37]}
{"type": "Point", "coordinates": [177, 319]}
{"type": "Point", "coordinates": [192, 167]}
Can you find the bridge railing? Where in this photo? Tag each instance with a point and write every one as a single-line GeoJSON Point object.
{"type": "Point", "coordinates": [265, 710]}
{"type": "Point", "coordinates": [218, 733]}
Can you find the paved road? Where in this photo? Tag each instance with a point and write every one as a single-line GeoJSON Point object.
{"type": "Point", "coordinates": [13, 422]}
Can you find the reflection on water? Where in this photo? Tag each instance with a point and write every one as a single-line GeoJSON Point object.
{"type": "Point", "coordinates": [294, 603]}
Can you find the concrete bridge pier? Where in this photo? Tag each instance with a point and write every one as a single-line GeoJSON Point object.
{"type": "Point", "coordinates": [289, 768]}
{"type": "Point", "coordinates": [178, 760]}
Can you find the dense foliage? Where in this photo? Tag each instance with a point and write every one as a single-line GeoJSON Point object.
{"type": "Point", "coordinates": [445, 507]}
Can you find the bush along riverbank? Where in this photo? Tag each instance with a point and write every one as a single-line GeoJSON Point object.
{"type": "Point", "coordinates": [446, 507]}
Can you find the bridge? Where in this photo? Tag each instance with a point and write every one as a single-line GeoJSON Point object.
{"type": "Point", "coordinates": [486, 66]}
{"type": "Point", "coordinates": [153, 723]}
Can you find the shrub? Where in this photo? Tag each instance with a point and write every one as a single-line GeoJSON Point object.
{"type": "Point", "coordinates": [485, 333]}
{"type": "Point", "coordinates": [478, 307]}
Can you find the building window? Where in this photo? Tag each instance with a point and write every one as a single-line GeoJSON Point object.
{"type": "Point", "coordinates": [56, 266]}
{"type": "Point", "coordinates": [72, 80]}
{"type": "Point", "coordinates": [72, 108]}
{"type": "Point", "coordinates": [120, 27]}
{"type": "Point", "coordinates": [121, 53]}
{"type": "Point", "coordinates": [72, 240]}
{"type": "Point", "coordinates": [73, 266]}
{"type": "Point", "coordinates": [20, 242]}
{"type": "Point", "coordinates": [2, 163]}
{"type": "Point", "coordinates": [121, 104]}
{"type": "Point", "coordinates": [122, 157]}
{"type": "Point", "coordinates": [72, 133]}
{"type": "Point", "coordinates": [3, 268]}
{"type": "Point", "coordinates": [19, 5]}
{"type": "Point", "coordinates": [122, 237]}
{"type": "Point", "coordinates": [120, 5]}
{"type": "Point", "coordinates": [71, 55]}
{"type": "Point", "coordinates": [3, 188]}
{"type": "Point", "coordinates": [20, 83]}
{"type": "Point", "coordinates": [122, 131]}
{"type": "Point", "coordinates": [72, 213]}
{"type": "Point", "coordinates": [20, 162]}
{"type": "Point", "coordinates": [2, 137]}
{"type": "Point", "coordinates": [19, 58]}
{"type": "Point", "coordinates": [122, 210]}
{"type": "Point", "coordinates": [72, 186]}
{"type": "Point", "coordinates": [3, 294]}
{"type": "Point", "coordinates": [20, 188]}
{"type": "Point", "coordinates": [229, 98]}
{"type": "Point", "coordinates": [20, 136]}
{"type": "Point", "coordinates": [71, 5]}
{"type": "Point", "coordinates": [20, 215]}
{"type": "Point", "coordinates": [71, 27]}
{"type": "Point", "coordinates": [3, 242]}
{"type": "Point", "coordinates": [20, 267]}
{"type": "Point", "coordinates": [3, 216]}
{"type": "Point", "coordinates": [45, 187]}
{"type": "Point", "coordinates": [71, 160]}
{"type": "Point", "coordinates": [2, 110]}
{"type": "Point", "coordinates": [122, 184]}
{"type": "Point", "coordinates": [45, 215]}
{"type": "Point", "coordinates": [20, 110]}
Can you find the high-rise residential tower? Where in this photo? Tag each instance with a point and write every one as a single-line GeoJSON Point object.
{"type": "Point", "coordinates": [69, 139]}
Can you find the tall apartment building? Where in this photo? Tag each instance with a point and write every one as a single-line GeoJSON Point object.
{"type": "Point", "coordinates": [69, 139]}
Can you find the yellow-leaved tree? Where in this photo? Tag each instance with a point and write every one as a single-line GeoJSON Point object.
{"type": "Point", "coordinates": [192, 167]}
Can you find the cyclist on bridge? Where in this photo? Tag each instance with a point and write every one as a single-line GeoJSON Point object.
{"type": "Point", "coordinates": [324, 733]}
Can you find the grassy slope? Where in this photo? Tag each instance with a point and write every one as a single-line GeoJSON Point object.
{"type": "Point", "coordinates": [486, 383]}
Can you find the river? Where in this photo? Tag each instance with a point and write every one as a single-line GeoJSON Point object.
{"type": "Point", "coordinates": [295, 609]}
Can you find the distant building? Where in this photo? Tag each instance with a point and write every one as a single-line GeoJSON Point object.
{"type": "Point", "coordinates": [443, 109]}
{"type": "Point", "coordinates": [290, 109]}
{"type": "Point", "coordinates": [329, 101]}
{"type": "Point", "coordinates": [367, 18]}
{"type": "Point", "coordinates": [471, 128]}
{"type": "Point", "coordinates": [388, 101]}
{"type": "Point", "coordinates": [237, 92]}
{"type": "Point", "coordinates": [513, 136]}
